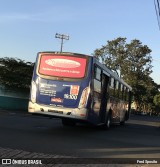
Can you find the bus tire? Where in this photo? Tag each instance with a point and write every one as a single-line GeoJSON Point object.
{"type": "Point", "coordinates": [125, 118]}
{"type": "Point", "coordinates": [122, 123]}
{"type": "Point", "coordinates": [68, 122]}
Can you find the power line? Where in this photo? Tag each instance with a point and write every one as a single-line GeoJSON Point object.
{"type": "Point", "coordinates": [157, 9]}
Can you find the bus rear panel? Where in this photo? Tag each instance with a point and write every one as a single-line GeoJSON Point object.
{"type": "Point", "coordinates": [60, 85]}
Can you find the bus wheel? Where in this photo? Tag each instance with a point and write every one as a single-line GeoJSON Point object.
{"type": "Point", "coordinates": [125, 118]}
{"type": "Point", "coordinates": [122, 123]}
{"type": "Point", "coordinates": [68, 122]}
{"type": "Point", "coordinates": [107, 124]}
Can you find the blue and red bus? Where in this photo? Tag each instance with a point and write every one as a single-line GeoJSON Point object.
{"type": "Point", "coordinates": [78, 88]}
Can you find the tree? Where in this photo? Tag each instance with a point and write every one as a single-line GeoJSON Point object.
{"type": "Point", "coordinates": [135, 64]}
{"type": "Point", "coordinates": [156, 101]}
{"type": "Point", "coordinates": [113, 53]}
{"type": "Point", "coordinates": [151, 89]}
{"type": "Point", "coordinates": [15, 73]}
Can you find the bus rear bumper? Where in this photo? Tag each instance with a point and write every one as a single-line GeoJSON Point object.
{"type": "Point", "coordinates": [74, 113]}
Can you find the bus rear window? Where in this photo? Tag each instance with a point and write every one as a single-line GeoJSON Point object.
{"type": "Point", "coordinates": [62, 66]}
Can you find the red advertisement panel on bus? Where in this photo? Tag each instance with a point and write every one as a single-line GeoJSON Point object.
{"type": "Point", "coordinates": [62, 66]}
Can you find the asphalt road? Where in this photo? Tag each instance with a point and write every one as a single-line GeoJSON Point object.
{"type": "Point", "coordinates": [24, 134]}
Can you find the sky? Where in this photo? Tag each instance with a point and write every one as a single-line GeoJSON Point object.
{"type": "Point", "coordinates": [29, 26]}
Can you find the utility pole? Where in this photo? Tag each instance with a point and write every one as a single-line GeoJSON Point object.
{"type": "Point", "coordinates": [62, 37]}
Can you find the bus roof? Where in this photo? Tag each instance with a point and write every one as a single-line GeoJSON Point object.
{"type": "Point", "coordinates": [63, 53]}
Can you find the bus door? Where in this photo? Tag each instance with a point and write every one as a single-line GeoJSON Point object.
{"type": "Point", "coordinates": [104, 98]}
{"type": "Point", "coordinates": [101, 81]}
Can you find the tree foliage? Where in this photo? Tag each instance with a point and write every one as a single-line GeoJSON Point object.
{"type": "Point", "coordinates": [15, 73]}
{"type": "Point", "coordinates": [157, 100]}
{"type": "Point", "coordinates": [134, 61]}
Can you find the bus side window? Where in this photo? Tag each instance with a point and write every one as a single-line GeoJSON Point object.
{"type": "Point", "coordinates": [124, 93]}
{"type": "Point", "coordinates": [97, 73]}
{"type": "Point", "coordinates": [127, 94]}
{"type": "Point", "coordinates": [117, 89]}
{"type": "Point", "coordinates": [97, 79]}
{"type": "Point", "coordinates": [111, 87]}
{"type": "Point", "coordinates": [120, 91]}
{"type": "Point", "coordinates": [122, 87]}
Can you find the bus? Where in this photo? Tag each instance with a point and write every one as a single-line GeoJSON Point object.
{"type": "Point", "coordinates": [78, 88]}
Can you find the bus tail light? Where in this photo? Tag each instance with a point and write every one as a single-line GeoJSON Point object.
{"type": "Point", "coordinates": [33, 92]}
{"type": "Point", "coordinates": [84, 98]}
